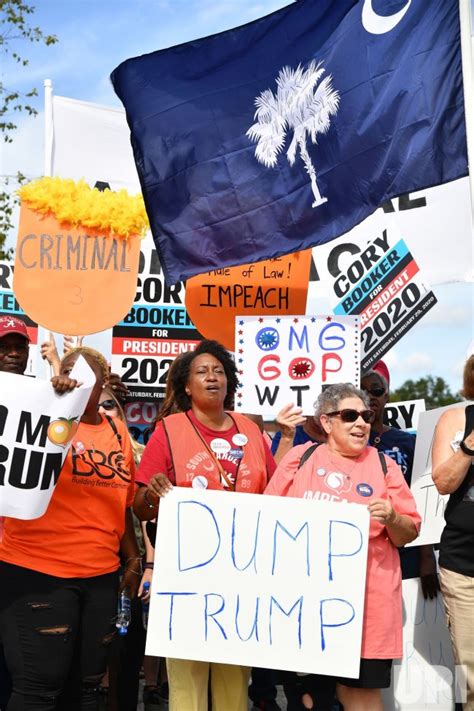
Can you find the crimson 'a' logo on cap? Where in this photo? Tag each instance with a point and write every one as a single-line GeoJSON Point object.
{"type": "Point", "coordinates": [11, 324]}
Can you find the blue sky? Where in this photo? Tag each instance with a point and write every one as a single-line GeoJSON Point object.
{"type": "Point", "coordinates": [95, 36]}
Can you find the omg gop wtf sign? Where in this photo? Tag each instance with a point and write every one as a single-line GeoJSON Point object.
{"type": "Point", "coordinates": [284, 359]}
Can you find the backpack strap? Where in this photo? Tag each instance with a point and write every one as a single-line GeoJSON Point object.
{"type": "Point", "coordinates": [307, 453]}
{"type": "Point", "coordinates": [114, 429]}
{"type": "Point", "coordinates": [469, 420]}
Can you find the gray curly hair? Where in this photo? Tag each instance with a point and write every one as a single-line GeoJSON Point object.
{"type": "Point", "coordinates": [330, 397]}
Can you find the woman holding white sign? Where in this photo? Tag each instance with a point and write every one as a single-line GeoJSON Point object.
{"type": "Point", "coordinates": [345, 469]}
{"type": "Point", "coordinates": [59, 573]}
{"type": "Point", "coordinates": [207, 447]}
{"type": "Point", "coordinates": [453, 474]}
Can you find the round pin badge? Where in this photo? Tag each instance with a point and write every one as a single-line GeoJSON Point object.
{"type": "Point", "coordinates": [240, 440]}
{"type": "Point", "coordinates": [364, 489]}
{"type": "Point", "coordinates": [320, 471]}
{"type": "Point", "coordinates": [220, 445]}
{"type": "Point", "coordinates": [200, 482]}
{"type": "Point", "coordinates": [236, 453]}
{"type": "Point", "coordinates": [80, 447]}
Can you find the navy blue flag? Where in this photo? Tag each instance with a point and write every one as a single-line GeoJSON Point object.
{"type": "Point", "coordinates": [286, 132]}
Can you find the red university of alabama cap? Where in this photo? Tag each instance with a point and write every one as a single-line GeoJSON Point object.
{"type": "Point", "coordinates": [11, 324]}
{"type": "Point", "coordinates": [381, 368]}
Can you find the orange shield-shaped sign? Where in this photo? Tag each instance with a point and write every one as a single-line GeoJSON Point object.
{"type": "Point", "coordinates": [273, 287]}
{"type": "Point", "coordinates": [76, 280]}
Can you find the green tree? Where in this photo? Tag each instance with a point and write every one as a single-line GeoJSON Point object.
{"type": "Point", "coordinates": [433, 390]}
{"type": "Point", "coordinates": [16, 30]}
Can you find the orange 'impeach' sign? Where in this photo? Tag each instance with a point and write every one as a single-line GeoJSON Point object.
{"type": "Point", "coordinates": [73, 279]}
{"type": "Point", "coordinates": [275, 286]}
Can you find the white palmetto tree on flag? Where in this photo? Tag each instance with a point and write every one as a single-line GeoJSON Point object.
{"type": "Point", "coordinates": [302, 104]}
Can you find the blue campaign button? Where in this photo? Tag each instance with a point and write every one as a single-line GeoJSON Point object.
{"type": "Point", "coordinates": [236, 453]}
{"type": "Point", "coordinates": [364, 489]}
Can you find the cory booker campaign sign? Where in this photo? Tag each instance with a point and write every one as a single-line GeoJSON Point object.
{"type": "Point", "coordinates": [286, 132]}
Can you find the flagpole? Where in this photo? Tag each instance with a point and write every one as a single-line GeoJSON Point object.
{"type": "Point", "coordinates": [468, 83]}
{"type": "Point", "coordinates": [48, 167]}
{"type": "Point", "coordinates": [48, 127]}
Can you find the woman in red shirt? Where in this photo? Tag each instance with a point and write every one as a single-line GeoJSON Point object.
{"type": "Point", "coordinates": [208, 447]}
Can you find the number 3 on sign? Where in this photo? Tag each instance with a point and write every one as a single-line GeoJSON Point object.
{"type": "Point", "coordinates": [77, 300]}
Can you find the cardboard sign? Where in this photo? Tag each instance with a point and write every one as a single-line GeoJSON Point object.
{"type": "Point", "coordinates": [155, 330]}
{"type": "Point", "coordinates": [376, 277]}
{"type": "Point", "coordinates": [259, 581]}
{"type": "Point", "coordinates": [73, 280]}
{"type": "Point", "coordinates": [290, 358]}
{"type": "Point", "coordinates": [36, 430]}
{"type": "Point", "coordinates": [9, 306]}
{"type": "Point", "coordinates": [429, 502]}
{"type": "Point", "coordinates": [404, 415]}
{"type": "Point", "coordinates": [424, 678]}
{"type": "Point", "coordinates": [272, 287]}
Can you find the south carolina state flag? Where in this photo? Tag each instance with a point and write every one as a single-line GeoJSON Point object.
{"type": "Point", "coordinates": [287, 132]}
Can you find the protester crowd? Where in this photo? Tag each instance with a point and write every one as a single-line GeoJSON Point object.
{"type": "Point", "coordinates": [62, 574]}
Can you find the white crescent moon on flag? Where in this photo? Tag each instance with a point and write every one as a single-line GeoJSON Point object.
{"type": "Point", "coordinates": [380, 24]}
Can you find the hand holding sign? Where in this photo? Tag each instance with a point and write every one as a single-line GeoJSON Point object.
{"type": "Point", "coordinates": [49, 352]}
{"type": "Point", "coordinates": [71, 342]}
{"type": "Point", "coordinates": [159, 486]}
{"type": "Point", "coordinates": [381, 510]}
{"type": "Point", "coordinates": [288, 419]}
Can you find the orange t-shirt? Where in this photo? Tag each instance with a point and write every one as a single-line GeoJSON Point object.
{"type": "Point", "coordinates": [79, 535]}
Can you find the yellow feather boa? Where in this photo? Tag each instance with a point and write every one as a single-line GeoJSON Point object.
{"type": "Point", "coordinates": [75, 203]}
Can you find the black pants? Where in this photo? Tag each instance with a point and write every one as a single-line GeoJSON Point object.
{"type": "Point", "coordinates": [5, 682]}
{"type": "Point", "coordinates": [263, 685]}
{"type": "Point", "coordinates": [322, 690]}
{"type": "Point", "coordinates": [55, 635]}
{"type": "Point", "coordinates": [125, 661]}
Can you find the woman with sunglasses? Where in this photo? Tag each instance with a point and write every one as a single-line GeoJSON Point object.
{"type": "Point", "coordinates": [108, 405]}
{"type": "Point", "coordinates": [345, 469]}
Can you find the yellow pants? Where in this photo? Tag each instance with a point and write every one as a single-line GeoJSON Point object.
{"type": "Point", "coordinates": [188, 684]}
{"type": "Point", "coordinates": [458, 596]}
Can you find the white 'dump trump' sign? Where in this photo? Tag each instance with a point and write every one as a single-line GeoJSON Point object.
{"type": "Point", "coordinates": [259, 581]}
{"type": "Point", "coordinates": [36, 430]}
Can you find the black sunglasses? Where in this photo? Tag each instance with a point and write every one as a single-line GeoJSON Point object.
{"type": "Point", "coordinates": [107, 404]}
{"type": "Point", "coordinates": [376, 392]}
{"type": "Point", "coordinates": [350, 415]}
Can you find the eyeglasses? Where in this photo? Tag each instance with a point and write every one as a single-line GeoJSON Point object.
{"type": "Point", "coordinates": [376, 392]}
{"type": "Point", "coordinates": [350, 415]}
{"type": "Point", "coordinates": [107, 404]}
